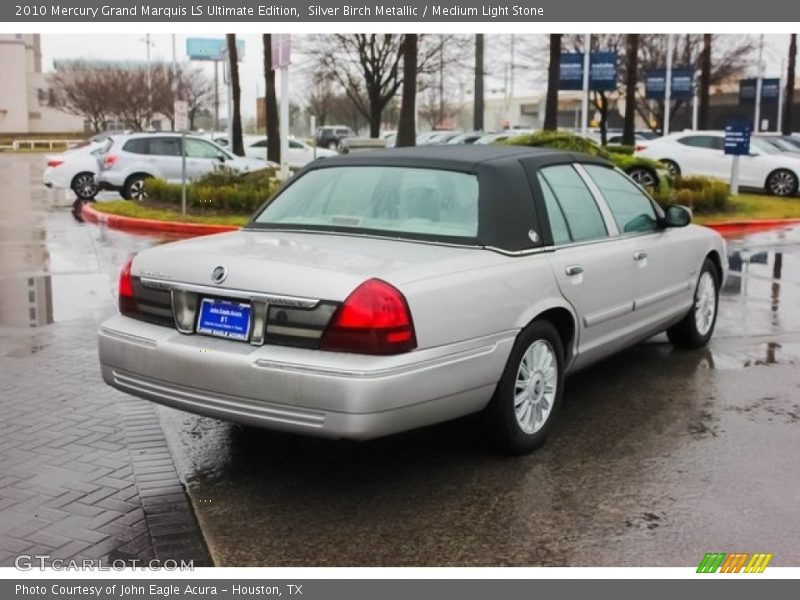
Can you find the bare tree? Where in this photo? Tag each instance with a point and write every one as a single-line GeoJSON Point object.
{"type": "Point", "coordinates": [271, 104]}
{"type": "Point", "coordinates": [81, 90]}
{"type": "Point", "coordinates": [553, 78]}
{"type": "Point", "coordinates": [406, 131]}
{"type": "Point", "coordinates": [237, 145]}
{"type": "Point", "coordinates": [478, 106]}
{"type": "Point", "coordinates": [787, 125]}
{"type": "Point", "coordinates": [631, 81]}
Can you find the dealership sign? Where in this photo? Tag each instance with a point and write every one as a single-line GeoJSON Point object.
{"type": "Point", "coordinates": [602, 71]}
{"type": "Point", "coordinates": [682, 87]}
{"type": "Point", "coordinates": [211, 48]}
{"type": "Point", "coordinates": [770, 90]}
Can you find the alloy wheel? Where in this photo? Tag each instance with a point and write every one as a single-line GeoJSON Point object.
{"type": "Point", "coordinates": [536, 386]}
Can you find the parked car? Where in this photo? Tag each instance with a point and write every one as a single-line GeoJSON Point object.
{"type": "Point", "coordinates": [384, 291]}
{"type": "Point", "coordinates": [702, 153]}
{"type": "Point", "coordinates": [75, 169]}
{"type": "Point", "coordinates": [300, 153]}
{"type": "Point", "coordinates": [785, 143]}
{"type": "Point", "coordinates": [466, 138]}
{"type": "Point", "coordinates": [330, 136]}
{"type": "Point", "coordinates": [126, 161]}
{"type": "Point", "coordinates": [501, 136]}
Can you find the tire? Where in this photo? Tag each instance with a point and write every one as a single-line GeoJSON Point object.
{"type": "Point", "coordinates": [134, 187]}
{"type": "Point", "coordinates": [781, 182]}
{"type": "Point", "coordinates": [672, 167]}
{"type": "Point", "coordinates": [84, 186]}
{"type": "Point", "coordinates": [697, 326]}
{"type": "Point", "coordinates": [644, 177]}
{"type": "Point", "coordinates": [522, 409]}
{"type": "Point", "coordinates": [332, 145]}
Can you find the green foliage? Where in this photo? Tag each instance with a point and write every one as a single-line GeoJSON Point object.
{"type": "Point", "coordinates": [701, 194]}
{"type": "Point", "coordinates": [558, 140]}
{"type": "Point", "coordinates": [222, 191]}
{"type": "Point", "coordinates": [619, 149]}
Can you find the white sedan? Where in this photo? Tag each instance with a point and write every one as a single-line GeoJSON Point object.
{"type": "Point", "coordinates": [702, 153]}
{"type": "Point", "coordinates": [300, 153]}
{"type": "Point", "coordinates": [387, 290]}
{"type": "Point", "coordinates": [74, 169]}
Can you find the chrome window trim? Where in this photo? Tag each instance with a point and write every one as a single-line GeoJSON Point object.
{"type": "Point", "coordinates": [275, 299]}
{"type": "Point", "coordinates": [611, 225]}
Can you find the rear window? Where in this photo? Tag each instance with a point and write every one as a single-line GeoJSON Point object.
{"type": "Point", "coordinates": [397, 200]}
{"type": "Point", "coordinates": [136, 146]}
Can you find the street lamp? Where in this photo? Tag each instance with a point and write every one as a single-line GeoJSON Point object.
{"type": "Point", "coordinates": [149, 44]}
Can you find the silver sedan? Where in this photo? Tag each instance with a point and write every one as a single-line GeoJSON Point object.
{"type": "Point", "coordinates": [385, 291]}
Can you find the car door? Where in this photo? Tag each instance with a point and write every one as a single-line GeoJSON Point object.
{"type": "Point", "coordinates": [165, 156]}
{"type": "Point", "coordinates": [202, 157]}
{"type": "Point", "coordinates": [299, 154]}
{"type": "Point", "coordinates": [703, 154]}
{"type": "Point", "coordinates": [593, 267]}
{"type": "Point", "coordinates": [664, 264]}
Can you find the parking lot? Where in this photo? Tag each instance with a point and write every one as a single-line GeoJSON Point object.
{"type": "Point", "coordinates": [658, 456]}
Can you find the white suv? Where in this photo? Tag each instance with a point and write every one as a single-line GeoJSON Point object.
{"type": "Point", "coordinates": [128, 160]}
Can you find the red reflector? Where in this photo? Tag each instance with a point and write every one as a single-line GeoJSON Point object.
{"type": "Point", "coordinates": [54, 163]}
{"type": "Point", "coordinates": [639, 148]}
{"type": "Point", "coordinates": [127, 303]}
{"type": "Point", "coordinates": [109, 160]}
{"type": "Point", "coordinates": [374, 319]}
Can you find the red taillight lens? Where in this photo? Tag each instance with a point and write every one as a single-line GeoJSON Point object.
{"type": "Point", "coordinates": [127, 302]}
{"type": "Point", "coordinates": [54, 163]}
{"type": "Point", "coordinates": [109, 160]}
{"type": "Point", "coordinates": [639, 148]}
{"type": "Point", "coordinates": [373, 320]}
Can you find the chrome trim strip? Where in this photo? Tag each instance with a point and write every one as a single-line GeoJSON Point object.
{"type": "Point", "coordinates": [662, 295]}
{"type": "Point", "coordinates": [128, 337]}
{"type": "Point", "coordinates": [275, 299]}
{"type": "Point", "coordinates": [608, 217]}
{"type": "Point", "coordinates": [361, 235]}
{"type": "Point", "coordinates": [388, 372]}
{"type": "Point", "coordinates": [607, 315]}
{"type": "Point", "coordinates": [528, 252]}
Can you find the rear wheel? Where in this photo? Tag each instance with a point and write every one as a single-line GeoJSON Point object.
{"type": "Point", "coordinates": [530, 390]}
{"type": "Point", "coordinates": [134, 188]}
{"type": "Point", "coordinates": [84, 186]}
{"type": "Point", "coordinates": [782, 183]}
{"type": "Point", "coordinates": [697, 326]}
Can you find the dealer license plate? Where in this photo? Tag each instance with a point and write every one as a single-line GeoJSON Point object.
{"type": "Point", "coordinates": [222, 318]}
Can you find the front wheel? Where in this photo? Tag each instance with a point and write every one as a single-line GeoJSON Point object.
{"type": "Point", "coordinates": [530, 390]}
{"type": "Point", "coordinates": [134, 188]}
{"type": "Point", "coordinates": [697, 326]}
{"type": "Point", "coordinates": [644, 177]}
{"type": "Point", "coordinates": [672, 167]}
{"type": "Point", "coordinates": [782, 183]}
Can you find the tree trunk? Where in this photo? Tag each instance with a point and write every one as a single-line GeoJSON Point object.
{"type": "Point", "coordinates": [603, 108]}
{"type": "Point", "coordinates": [705, 83]}
{"type": "Point", "coordinates": [375, 113]}
{"type": "Point", "coordinates": [787, 125]}
{"type": "Point", "coordinates": [271, 105]}
{"type": "Point", "coordinates": [477, 110]}
{"type": "Point", "coordinates": [553, 77]}
{"type": "Point", "coordinates": [406, 129]}
{"type": "Point", "coordinates": [237, 145]}
{"type": "Point", "coordinates": [632, 62]}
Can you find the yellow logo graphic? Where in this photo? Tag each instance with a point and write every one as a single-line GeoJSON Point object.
{"type": "Point", "coordinates": [735, 562]}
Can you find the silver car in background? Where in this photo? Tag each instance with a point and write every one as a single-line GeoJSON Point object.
{"type": "Point", "coordinates": [390, 290]}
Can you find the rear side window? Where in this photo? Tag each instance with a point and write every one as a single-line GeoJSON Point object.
{"type": "Point", "coordinates": [165, 146]}
{"type": "Point", "coordinates": [632, 210]}
{"type": "Point", "coordinates": [558, 223]}
{"type": "Point", "coordinates": [580, 211]}
{"type": "Point", "coordinates": [136, 146]}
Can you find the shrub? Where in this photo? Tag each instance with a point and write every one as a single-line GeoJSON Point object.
{"type": "Point", "coordinates": [701, 194]}
{"type": "Point", "coordinates": [223, 190]}
{"type": "Point", "coordinates": [619, 149]}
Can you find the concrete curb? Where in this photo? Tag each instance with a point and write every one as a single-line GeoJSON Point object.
{"type": "Point", "coordinates": [130, 223]}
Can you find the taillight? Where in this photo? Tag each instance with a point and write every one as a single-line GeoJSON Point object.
{"type": "Point", "coordinates": [109, 160]}
{"type": "Point", "coordinates": [374, 319]}
{"type": "Point", "coordinates": [127, 302]}
{"type": "Point", "coordinates": [639, 148]}
{"type": "Point", "coordinates": [54, 163]}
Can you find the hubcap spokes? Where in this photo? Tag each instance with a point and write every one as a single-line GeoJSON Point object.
{"type": "Point", "coordinates": [535, 388]}
{"type": "Point", "coordinates": [705, 303]}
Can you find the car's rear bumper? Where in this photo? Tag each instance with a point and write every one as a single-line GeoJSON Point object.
{"type": "Point", "coordinates": [305, 391]}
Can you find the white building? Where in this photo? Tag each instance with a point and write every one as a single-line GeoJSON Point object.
{"type": "Point", "coordinates": [25, 97]}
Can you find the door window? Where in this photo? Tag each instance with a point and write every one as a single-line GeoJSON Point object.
{"type": "Point", "coordinates": [165, 146]}
{"type": "Point", "coordinates": [200, 149]}
{"type": "Point", "coordinates": [580, 211]}
{"type": "Point", "coordinates": [632, 210]}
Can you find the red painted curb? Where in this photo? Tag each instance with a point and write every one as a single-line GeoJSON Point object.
{"type": "Point", "coordinates": [130, 223]}
{"type": "Point", "coordinates": [734, 227]}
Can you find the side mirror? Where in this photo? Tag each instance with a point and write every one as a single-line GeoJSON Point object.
{"type": "Point", "coordinates": [677, 216]}
{"type": "Point", "coordinates": [221, 157]}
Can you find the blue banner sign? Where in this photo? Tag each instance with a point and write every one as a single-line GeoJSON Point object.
{"type": "Point", "coordinates": [737, 137]}
{"type": "Point", "coordinates": [682, 84]}
{"type": "Point", "coordinates": [210, 48]}
{"type": "Point", "coordinates": [602, 71]}
{"type": "Point", "coordinates": [770, 90]}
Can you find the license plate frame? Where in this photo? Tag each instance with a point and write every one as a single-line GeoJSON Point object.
{"type": "Point", "coordinates": [226, 319]}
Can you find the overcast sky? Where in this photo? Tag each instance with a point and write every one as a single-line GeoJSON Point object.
{"type": "Point", "coordinates": [133, 47]}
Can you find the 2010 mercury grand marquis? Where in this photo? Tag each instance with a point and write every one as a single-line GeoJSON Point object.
{"type": "Point", "coordinates": [390, 290]}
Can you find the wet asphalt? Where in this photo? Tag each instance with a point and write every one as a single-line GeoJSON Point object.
{"type": "Point", "coordinates": [658, 455]}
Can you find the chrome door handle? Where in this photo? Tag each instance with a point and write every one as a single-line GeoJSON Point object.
{"type": "Point", "coordinates": [573, 270]}
{"type": "Point", "coordinates": [640, 255]}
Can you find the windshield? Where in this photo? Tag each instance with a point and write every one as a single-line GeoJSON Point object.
{"type": "Point", "coordinates": [397, 200]}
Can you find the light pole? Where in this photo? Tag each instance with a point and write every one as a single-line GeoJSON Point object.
{"type": "Point", "coordinates": [757, 116]}
{"type": "Point", "coordinates": [148, 43]}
